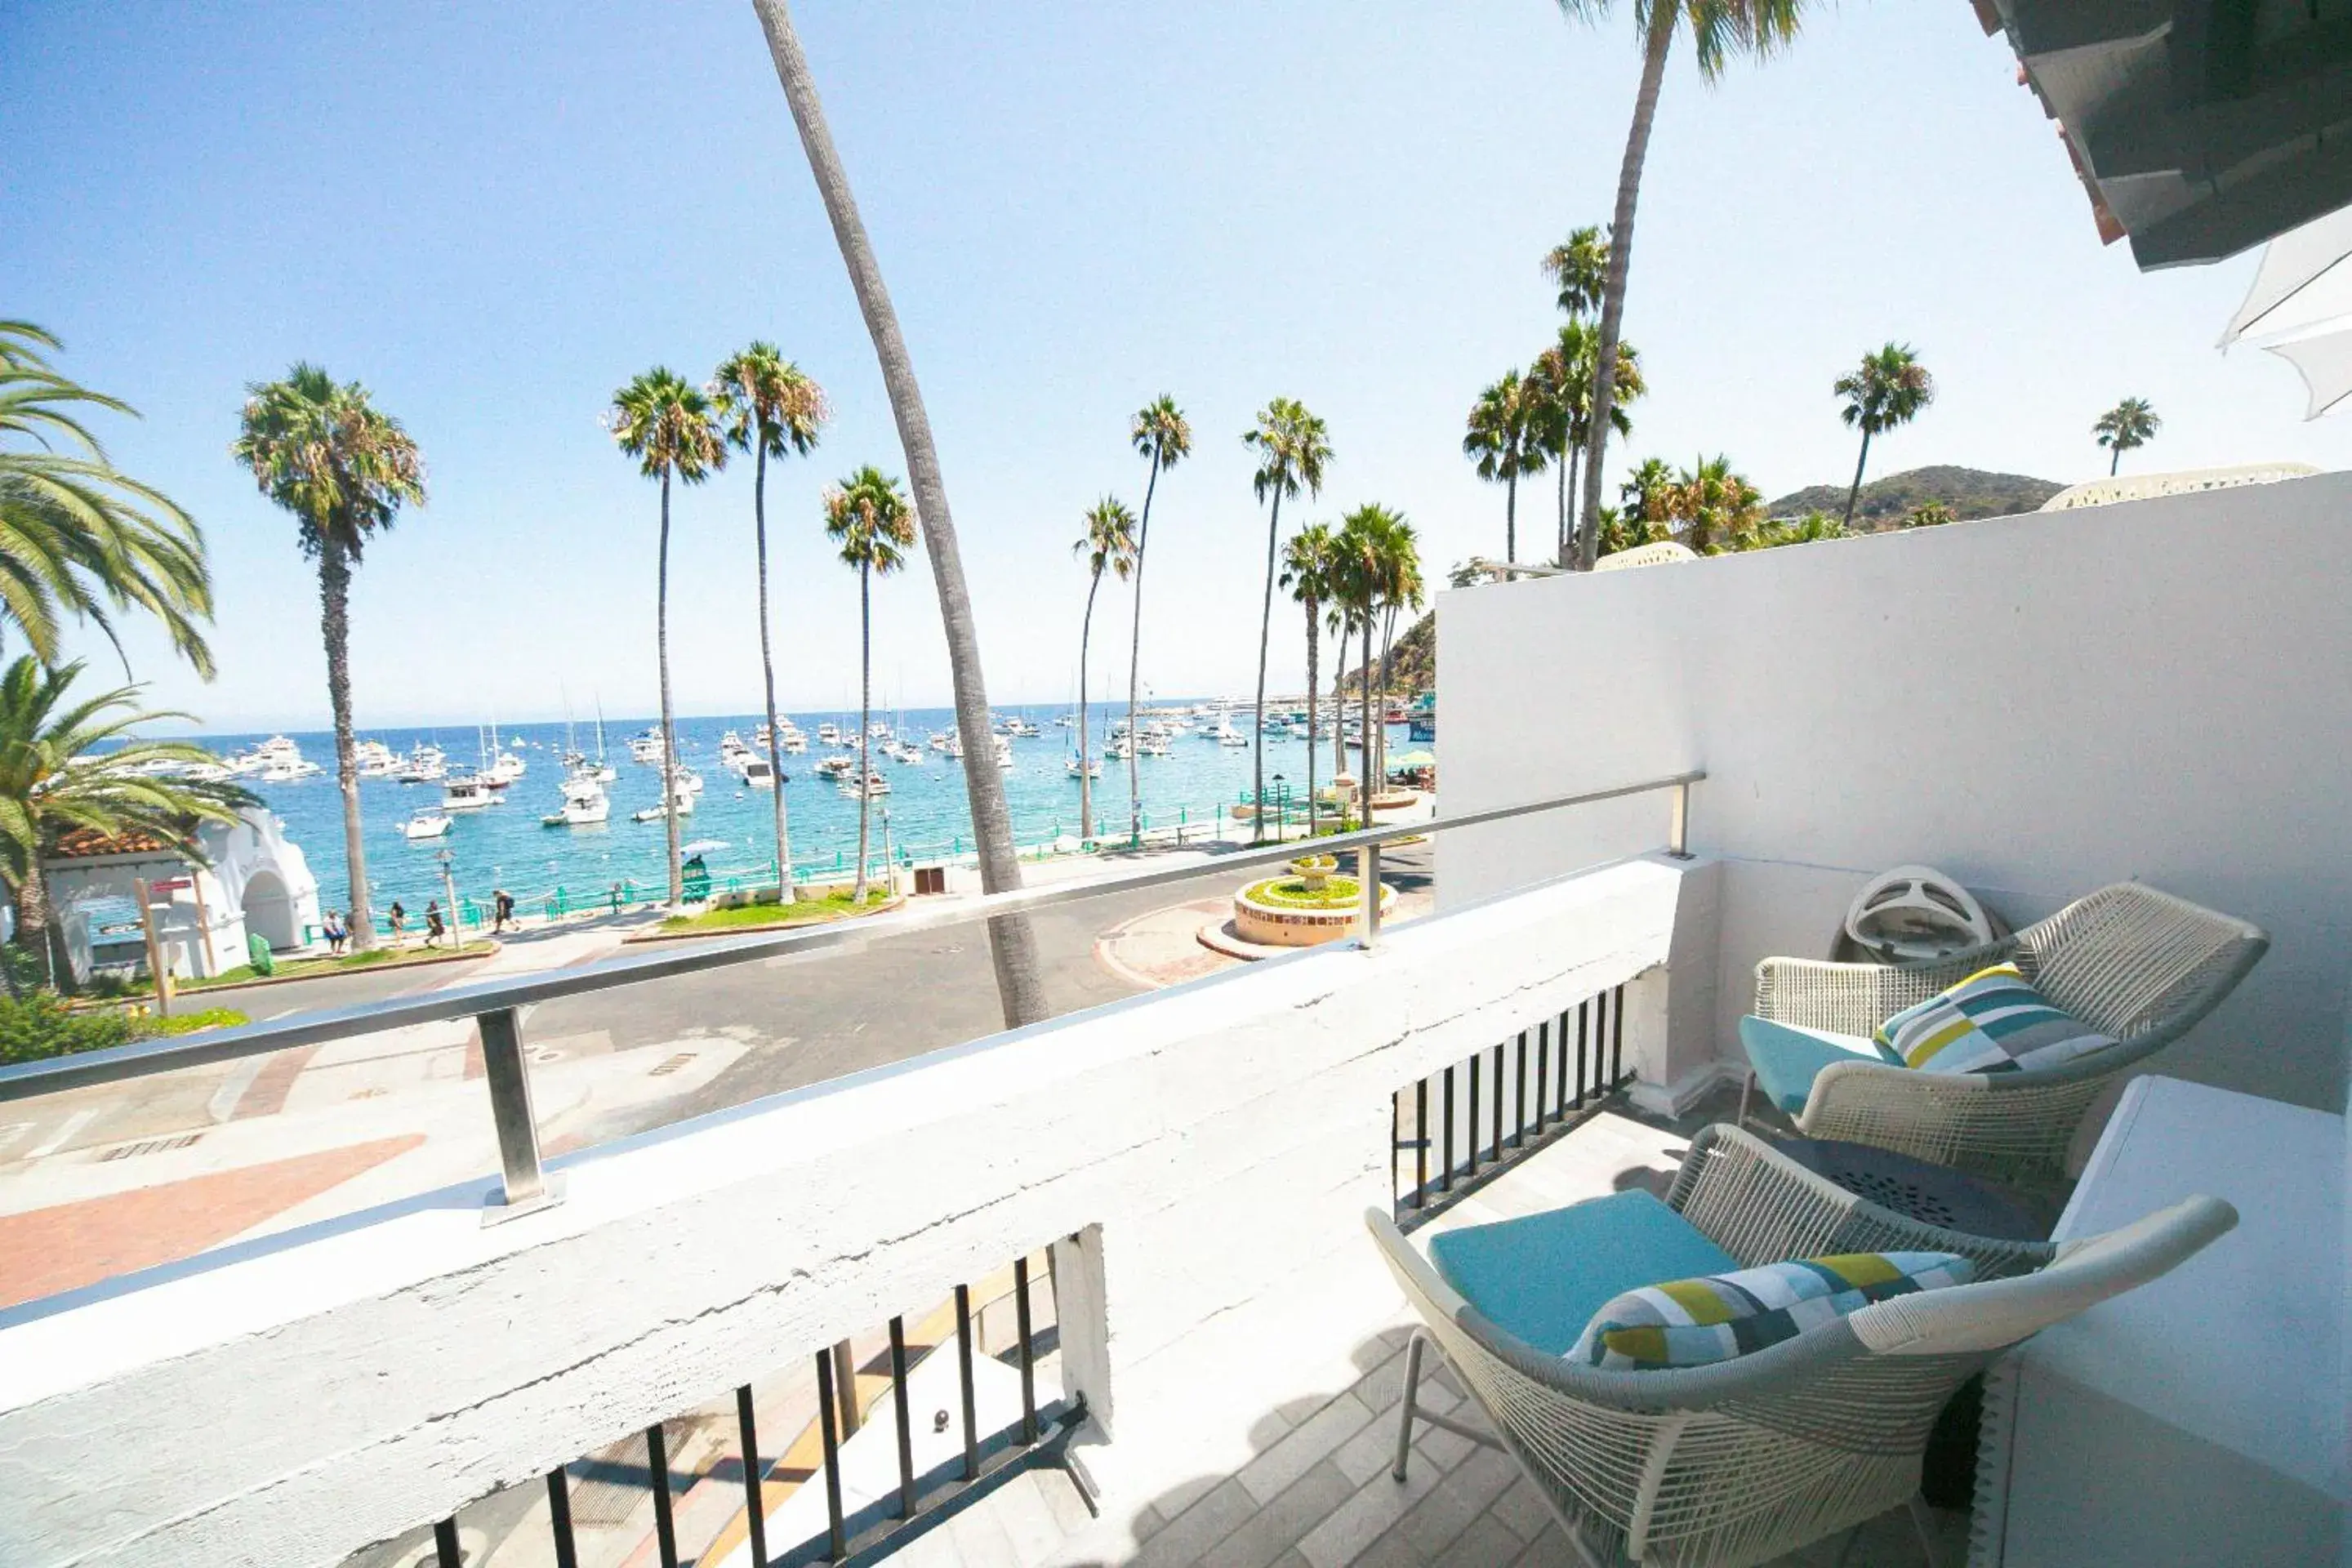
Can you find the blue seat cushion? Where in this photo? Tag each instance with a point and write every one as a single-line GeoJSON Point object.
{"type": "Point", "coordinates": [1540, 1278]}
{"type": "Point", "coordinates": [1787, 1058]}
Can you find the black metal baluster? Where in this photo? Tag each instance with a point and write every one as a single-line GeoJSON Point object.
{"type": "Point", "coordinates": [444, 1545]}
{"type": "Point", "coordinates": [1583, 1019]}
{"type": "Point", "coordinates": [837, 1546]}
{"type": "Point", "coordinates": [905, 1432]}
{"type": "Point", "coordinates": [1543, 1052]}
{"type": "Point", "coordinates": [1498, 1102]}
{"type": "Point", "coordinates": [1617, 1037]}
{"type": "Point", "coordinates": [664, 1526]}
{"type": "Point", "coordinates": [963, 1358]}
{"type": "Point", "coordinates": [1445, 1166]}
{"type": "Point", "coordinates": [1396, 1154]}
{"type": "Point", "coordinates": [1559, 1089]}
{"type": "Point", "coordinates": [1470, 1123]}
{"type": "Point", "coordinates": [558, 1520]}
{"type": "Point", "coordinates": [1519, 1098]}
{"type": "Point", "coordinates": [1420, 1142]}
{"type": "Point", "coordinates": [753, 1510]}
{"type": "Point", "coordinates": [1028, 1352]}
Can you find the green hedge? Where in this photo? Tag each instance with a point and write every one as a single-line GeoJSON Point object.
{"type": "Point", "coordinates": [41, 1026]}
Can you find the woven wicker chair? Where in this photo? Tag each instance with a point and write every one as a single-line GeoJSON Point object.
{"type": "Point", "coordinates": [2133, 963]}
{"type": "Point", "coordinates": [1740, 1462]}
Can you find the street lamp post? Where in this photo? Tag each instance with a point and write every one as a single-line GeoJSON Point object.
{"type": "Point", "coordinates": [449, 891]}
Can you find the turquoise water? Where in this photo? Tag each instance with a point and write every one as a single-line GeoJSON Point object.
{"type": "Point", "coordinates": [506, 846]}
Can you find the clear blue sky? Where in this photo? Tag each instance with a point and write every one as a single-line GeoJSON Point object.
{"type": "Point", "coordinates": [494, 215]}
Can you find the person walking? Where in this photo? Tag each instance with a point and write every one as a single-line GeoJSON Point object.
{"type": "Point", "coordinates": [501, 908]}
{"type": "Point", "coordinates": [435, 928]}
{"type": "Point", "coordinates": [399, 918]}
{"type": "Point", "coordinates": [331, 926]}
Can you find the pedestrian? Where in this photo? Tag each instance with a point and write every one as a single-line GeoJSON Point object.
{"type": "Point", "coordinates": [399, 921]}
{"type": "Point", "coordinates": [332, 925]}
{"type": "Point", "coordinates": [501, 908]}
{"type": "Point", "coordinates": [616, 898]}
{"type": "Point", "coordinates": [434, 927]}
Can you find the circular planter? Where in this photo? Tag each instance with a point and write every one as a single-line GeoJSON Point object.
{"type": "Point", "coordinates": [1315, 870]}
{"type": "Point", "coordinates": [1277, 923]}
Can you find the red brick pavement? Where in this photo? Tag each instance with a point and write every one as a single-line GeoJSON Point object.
{"type": "Point", "coordinates": [45, 1251]}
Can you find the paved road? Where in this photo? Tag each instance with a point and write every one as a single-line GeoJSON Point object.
{"type": "Point", "coordinates": [829, 1014]}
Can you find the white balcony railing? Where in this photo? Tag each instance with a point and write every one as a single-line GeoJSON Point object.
{"type": "Point", "coordinates": [1180, 1154]}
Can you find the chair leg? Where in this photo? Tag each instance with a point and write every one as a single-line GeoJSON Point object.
{"type": "Point", "coordinates": [1747, 1087]}
{"type": "Point", "coordinates": [1920, 1522]}
{"type": "Point", "coordinates": [1405, 1405]}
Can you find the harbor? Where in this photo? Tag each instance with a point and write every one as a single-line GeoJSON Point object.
{"type": "Point", "coordinates": [561, 839]}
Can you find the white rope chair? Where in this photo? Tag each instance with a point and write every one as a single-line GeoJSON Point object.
{"type": "Point", "coordinates": [1736, 1463]}
{"type": "Point", "coordinates": [2136, 964]}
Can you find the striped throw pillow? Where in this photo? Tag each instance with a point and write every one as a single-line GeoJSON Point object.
{"type": "Point", "coordinates": [1696, 1322]}
{"type": "Point", "coordinates": [1991, 1022]}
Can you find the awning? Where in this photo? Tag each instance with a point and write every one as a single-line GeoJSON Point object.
{"type": "Point", "coordinates": [2300, 308]}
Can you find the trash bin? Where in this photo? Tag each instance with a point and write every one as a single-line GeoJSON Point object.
{"type": "Point", "coordinates": [257, 953]}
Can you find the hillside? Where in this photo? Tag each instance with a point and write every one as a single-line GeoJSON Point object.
{"type": "Point", "coordinates": [1413, 662]}
{"type": "Point", "coordinates": [1970, 492]}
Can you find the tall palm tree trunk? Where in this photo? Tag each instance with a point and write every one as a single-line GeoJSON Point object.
{"type": "Point", "coordinates": [1612, 301]}
{"type": "Point", "coordinates": [768, 673]}
{"type": "Point", "coordinates": [2115, 462]}
{"type": "Point", "coordinates": [335, 626]}
{"type": "Point", "coordinates": [865, 721]}
{"type": "Point", "coordinates": [1364, 712]}
{"type": "Point", "coordinates": [1085, 732]}
{"type": "Point", "coordinates": [1388, 646]}
{"type": "Point", "coordinates": [1013, 945]}
{"type": "Point", "coordinates": [1339, 705]}
{"type": "Point", "coordinates": [1566, 468]}
{"type": "Point", "coordinates": [1854, 492]}
{"type": "Point", "coordinates": [669, 725]}
{"type": "Point", "coordinates": [1135, 669]}
{"type": "Point", "coordinates": [1258, 714]}
{"type": "Point", "coordinates": [1312, 672]}
{"type": "Point", "coordinates": [1511, 518]}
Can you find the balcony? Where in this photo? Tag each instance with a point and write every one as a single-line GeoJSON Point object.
{"type": "Point", "coordinates": [1098, 1290]}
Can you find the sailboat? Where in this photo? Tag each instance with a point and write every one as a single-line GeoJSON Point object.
{"type": "Point", "coordinates": [584, 803]}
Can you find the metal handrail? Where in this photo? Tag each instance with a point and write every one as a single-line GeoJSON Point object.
{"type": "Point", "coordinates": [493, 1003]}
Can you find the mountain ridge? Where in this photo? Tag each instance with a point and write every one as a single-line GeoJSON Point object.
{"type": "Point", "coordinates": [1883, 503]}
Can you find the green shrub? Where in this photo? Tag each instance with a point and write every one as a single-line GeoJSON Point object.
{"type": "Point", "coordinates": [40, 1026]}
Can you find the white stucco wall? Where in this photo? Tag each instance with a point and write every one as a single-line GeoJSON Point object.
{"type": "Point", "coordinates": [284, 1402]}
{"type": "Point", "coordinates": [2155, 691]}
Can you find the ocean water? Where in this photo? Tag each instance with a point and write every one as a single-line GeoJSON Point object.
{"type": "Point", "coordinates": [925, 814]}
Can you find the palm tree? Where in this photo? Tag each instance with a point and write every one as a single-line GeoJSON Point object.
{"type": "Point", "coordinates": [1160, 433]}
{"type": "Point", "coordinates": [1362, 554]}
{"type": "Point", "coordinates": [1810, 529]}
{"type": "Point", "coordinates": [1580, 269]}
{"type": "Point", "coordinates": [77, 534]}
{"type": "Point", "coordinates": [1561, 382]}
{"type": "Point", "coordinates": [1719, 29]}
{"type": "Point", "coordinates": [1309, 570]}
{"type": "Point", "coordinates": [1012, 943]}
{"type": "Point", "coordinates": [1400, 588]}
{"type": "Point", "coordinates": [1109, 543]}
{"type": "Point", "coordinates": [2129, 425]}
{"type": "Point", "coordinates": [868, 517]}
{"type": "Point", "coordinates": [1292, 451]}
{"type": "Point", "coordinates": [671, 428]}
{"type": "Point", "coordinates": [1716, 511]}
{"type": "Point", "coordinates": [1889, 388]}
{"type": "Point", "coordinates": [70, 762]}
{"type": "Point", "coordinates": [768, 406]}
{"type": "Point", "coordinates": [1503, 437]}
{"type": "Point", "coordinates": [345, 468]}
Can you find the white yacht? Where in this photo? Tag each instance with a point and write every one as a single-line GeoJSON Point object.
{"type": "Point", "coordinates": [682, 798]}
{"type": "Point", "coordinates": [374, 760]}
{"type": "Point", "coordinates": [584, 802]}
{"type": "Point", "coordinates": [757, 773]}
{"type": "Point", "coordinates": [839, 766]}
{"type": "Point", "coordinates": [468, 792]}
{"type": "Point", "coordinates": [1093, 769]}
{"type": "Point", "coordinates": [427, 823]}
{"type": "Point", "coordinates": [424, 765]}
{"type": "Point", "coordinates": [1226, 735]}
{"type": "Point", "coordinates": [505, 769]}
{"type": "Point", "coordinates": [876, 787]}
{"type": "Point", "coordinates": [646, 747]}
{"type": "Point", "coordinates": [1021, 727]}
{"type": "Point", "coordinates": [1004, 752]}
